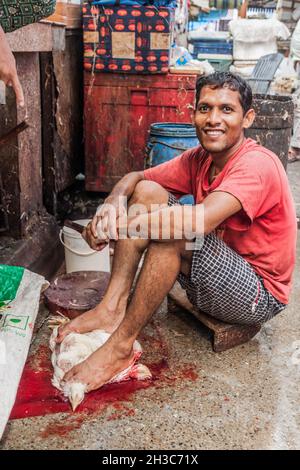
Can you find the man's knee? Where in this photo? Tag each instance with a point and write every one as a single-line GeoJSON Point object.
{"type": "Point", "coordinates": [175, 248]}
{"type": "Point", "coordinates": [148, 192]}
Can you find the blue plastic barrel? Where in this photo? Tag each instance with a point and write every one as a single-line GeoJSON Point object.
{"type": "Point", "coordinates": [168, 140]}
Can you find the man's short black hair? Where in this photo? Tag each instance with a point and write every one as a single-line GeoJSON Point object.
{"type": "Point", "coordinates": [227, 80]}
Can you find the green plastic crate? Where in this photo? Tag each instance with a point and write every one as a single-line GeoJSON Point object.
{"type": "Point", "coordinates": [220, 65]}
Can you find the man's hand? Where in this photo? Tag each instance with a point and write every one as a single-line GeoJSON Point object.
{"type": "Point", "coordinates": [94, 242]}
{"type": "Point", "coordinates": [112, 214]}
{"type": "Point", "coordinates": [105, 222]}
{"type": "Point", "coordinates": [104, 225]}
{"type": "Point", "coordinates": [8, 70]}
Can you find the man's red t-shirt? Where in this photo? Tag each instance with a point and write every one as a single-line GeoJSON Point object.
{"type": "Point", "coordinates": [264, 231]}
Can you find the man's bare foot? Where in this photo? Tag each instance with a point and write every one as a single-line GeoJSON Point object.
{"type": "Point", "coordinates": [102, 366]}
{"type": "Point", "coordinates": [98, 318]}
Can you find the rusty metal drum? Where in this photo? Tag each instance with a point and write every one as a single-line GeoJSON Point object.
{"type": "Point", "coordinates": [273, 124]}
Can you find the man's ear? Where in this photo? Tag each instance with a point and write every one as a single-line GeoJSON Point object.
{"type": "Point", "coordinates": [248, 118]}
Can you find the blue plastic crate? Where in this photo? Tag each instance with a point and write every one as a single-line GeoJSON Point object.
{"type": "Point", "coordinates": [212, 47]}
{"type": "Point", "coordinates": [215, 49]}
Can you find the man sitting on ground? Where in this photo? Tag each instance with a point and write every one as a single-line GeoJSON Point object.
{"type": "Point", "coordinates": [240, 267]}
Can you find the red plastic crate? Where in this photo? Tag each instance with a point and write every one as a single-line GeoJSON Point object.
{"type": "Point", "coordinates": [118, 111]}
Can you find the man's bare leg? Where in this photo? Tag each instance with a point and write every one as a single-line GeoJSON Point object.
{"type": "Point", "coordinates": [109, 313]}
{"type": "Point", "coordinates": [162, 264]}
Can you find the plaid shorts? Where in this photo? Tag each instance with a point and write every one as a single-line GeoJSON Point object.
{"type": "Point", "coordinates": [224, 285]}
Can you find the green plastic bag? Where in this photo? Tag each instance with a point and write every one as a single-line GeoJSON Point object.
{"type": "Point", "coordinates": [17, 13]}
{"type": "Point", "coordinates": [10, 278]}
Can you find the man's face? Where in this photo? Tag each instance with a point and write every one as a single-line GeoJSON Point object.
{"type": "Point", "coordinates": [219, 119]}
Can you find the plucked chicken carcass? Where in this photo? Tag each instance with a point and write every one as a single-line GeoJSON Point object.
{"type": "Point", "coordinates": [77, 347]}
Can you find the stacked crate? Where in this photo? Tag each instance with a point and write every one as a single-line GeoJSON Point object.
{"type": "Point", "coordinates": [285, 10]}
{"type": "Point", "coordinates": [209, 38]}
{"type": "Point", "coordinates": [127, 87]}
{"type": "Point", "coordinates": [127, 38]}
{"type": "Point", "coordinates": [286, 13]}
{"type": "Point", "coordinates": [217, 51]}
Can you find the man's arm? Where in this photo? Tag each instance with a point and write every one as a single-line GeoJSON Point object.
{"type": "Point", "coordinates": [218, 206]}
{"type": "Point", "coordinates": [8, 70]}
{"type": "Point", "coordinates": [186, 221]}
{"type": "Point", "coordinates": [104, 223]}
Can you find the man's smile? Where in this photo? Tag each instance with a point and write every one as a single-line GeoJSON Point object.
{"type": "Point", "coordinates": [213, 132]}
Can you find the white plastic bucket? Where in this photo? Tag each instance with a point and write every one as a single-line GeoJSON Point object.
{"type": "Point", "coordinates": [78, 254]}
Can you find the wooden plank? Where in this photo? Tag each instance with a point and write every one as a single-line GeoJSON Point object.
{"type": "Point", "coordinates": [9, 164]}
{"type": "Point", "coordinates": [13, 132]}
{"type": "Point", "coordinates": [38, 37]}
{"type": "Point", "coordinates": [29, 141]}
{"type": "Point", "coordinates": [48, 129]}
{"type": "Point", "coordinates": [40, 252]}
{"type": "Point", "coordinates": [225, 335]}
{"type": "Point", "coordinates": [61, 78]}
{"type": "Point", "coordinates": [3, 214]}
{"type": "Point", "coordinates": [74, 16]}
{"type": "Point", "coordinates": [58, 38]}
{"type": "Point", "coordinates": [20, 157]}
{"type": "Point", "coordinates": [67, 67]}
